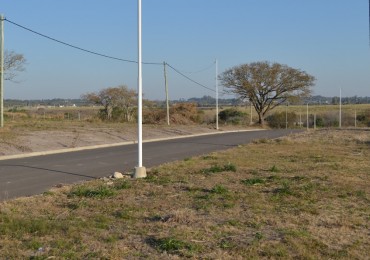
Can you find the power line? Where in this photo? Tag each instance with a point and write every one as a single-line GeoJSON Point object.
{"type": "Point", "coordinates": [195, 82]}
{"type": "Point", "coordinates": [76, 47]}
{"type": "Point", "coordinates": [201, 70]}
{"type": "Point", "coordinates": [111, 57]}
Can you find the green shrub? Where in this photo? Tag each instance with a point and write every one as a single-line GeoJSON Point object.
{"type": "Point", "coordinates": [278, 119]}
{"type": "Point", "coordinates": [231, 115]}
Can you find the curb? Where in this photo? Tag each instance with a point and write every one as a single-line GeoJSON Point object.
{"type": "Point", "coordinates": [84, 148]}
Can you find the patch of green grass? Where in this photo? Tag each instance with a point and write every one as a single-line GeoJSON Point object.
{"type": "Point", "coordinates": [226, 244]}
{"type": "Point", "coordinates": [217, 168]}
{"type": "Point", "coordinates": [48, 193]}
{"type": "Point", "coordinates": [219, 189]}
{"type": "Point", "coordinates": [258, 236]}
{"type": "Point", "coordinates": [125, 214]}
{"type": "Point", "coordinates": [284, 190]}
{"type": "Point", "coordinates": [209, 157]}
{"type": "Point", "coordinates": [274, 168]}
{"type": "Point", "coordinates": [253, 181]}
{"type": "Point", "coordinates": [99, 192]}
{"type": "Point", "coordinates": [170, 245]}
{"type": "Point", "coordinates": [156, 178]}
{"type": "Point", "coordinates": [122, 185]}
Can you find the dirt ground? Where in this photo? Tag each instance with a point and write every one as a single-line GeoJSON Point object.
{"type": "Point", "coordinates": [45, 138]}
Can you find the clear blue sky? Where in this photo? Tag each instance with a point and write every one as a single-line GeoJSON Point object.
{"type": "Point", "coordinates": [326, 38]}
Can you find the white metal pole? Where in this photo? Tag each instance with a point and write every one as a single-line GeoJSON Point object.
{"type": "Point", "coordinates": [216, 94]}
{"type": "Point", "coordinates": [307, 118]}
{"type": "Point", "coordinates": [286, 116]}
{"type": "Point", "coordinates": [251, 118]}
{"type": "Point", "coordinates": [1, 71]}
{"type": "Point", "coordinates": [140, 171]}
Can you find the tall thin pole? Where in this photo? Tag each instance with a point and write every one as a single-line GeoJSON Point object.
{"type": "Point", "coordinates": [216, 94]}
{"type": "Point", "coordinates": [140, 171]}
{"type": "Point", "coordinates": [251, 119]}
{"type": "Point", "coordinates": [286, 116]}
{"type": "Point", "coordinates": [307, 118]}
{"type": "Point", "coordinates": [340, 108]}
{"type": "Point", "coordinates": [1, 71]}
{"type": "Point", "coordinates": [166, 88]}
{"type": "Point", "coordinates": [355, 118]}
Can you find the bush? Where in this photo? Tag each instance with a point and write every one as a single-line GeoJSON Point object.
{"type": "Point", "coordinates": [231, 115]}
{"type": "Point", "coordinates": [278, 119]}
{"type": "Point", "coordinates": [180, 113]}
{"type": "Point", "coordinates": [320, 122]}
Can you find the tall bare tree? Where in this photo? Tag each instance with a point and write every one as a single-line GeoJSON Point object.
{"type": "Point", "coordinates": [267, 85]}
{"type": "Point", "coordinates": [119, 99]}
{"type": "Point", "coordinates": [13, 64]}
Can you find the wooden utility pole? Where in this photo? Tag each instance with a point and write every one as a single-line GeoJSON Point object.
{"type": "Point", "coordinates": [1, 71]}
{"type": "Point", "coordinates": [166, 88]}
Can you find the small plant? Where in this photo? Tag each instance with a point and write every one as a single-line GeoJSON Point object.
{"type": "Point", "coordinates": [170, 245]}
{"type": "Point", "coordinates": [90, 192]}
{"type": "Point", "coordinates": [229, 167]}
{"type": "Point", "coordinates": [122, 185]}
{"type": "Point", "coordinates": [284, 190]}
{"type": "Point", "coordinates": [219, 189]}
{"type": "Point", "coordinates": [216, 168]}
{"type": "Point", "coordinates": [253, 181]}
{"type": "Point", "coordinates": [258, 236]}
{"type": "Point", "coordinates": [274, 168]}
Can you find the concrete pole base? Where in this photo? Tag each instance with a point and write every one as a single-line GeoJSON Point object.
{"type": "Point", "coordinates": [140, 172]}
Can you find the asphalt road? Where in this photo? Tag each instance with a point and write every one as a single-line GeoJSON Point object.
{"type": "Point", "coordinates": [34, 175]}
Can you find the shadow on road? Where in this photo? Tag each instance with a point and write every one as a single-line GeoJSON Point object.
{"type": "Point", "coordinates": [49, 170]}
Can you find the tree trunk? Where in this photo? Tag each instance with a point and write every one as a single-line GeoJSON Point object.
{"type": "Point", "coordinates": [261, 119]}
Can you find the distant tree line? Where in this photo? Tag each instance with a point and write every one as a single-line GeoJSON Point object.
{"type": "Point", "coordinates": [205, 101]}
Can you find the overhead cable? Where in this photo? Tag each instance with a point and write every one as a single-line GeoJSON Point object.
{"type": "Point", "coordinates": [76, 47]}
{"type": "Point", "coordinates": [195, 82]}
{"type": "Point", "coordinates": [111, 57]}
{"type": "Point", "coordinates": [201, 70]}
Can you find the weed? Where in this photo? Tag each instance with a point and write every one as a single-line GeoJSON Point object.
{"type": "Point", "coordinates": [209, 157]}
{"type": "Point", "coordinates": [253, 181]}
{"type": "Point", "coordinates": [227, 244]}
{"type": "Point", "coordinates": [229, 167]}
{"type": "Point", "coordinates": [122, 185]}
{"type": "Point", "coordinates": [258, 236]}
{"type": "Point", "coordinates": [48, 193]}
{"type": "Point", "coordinates": [274, 168]}
{"type": "Point", "coordinates": [216, 168]}
{"type": "Point", "coordinates": [123, 214]}
{"type": "Point", "coordinates": [170, 245]}
{"type": "Point", "coordinates": [158, 180]}
{"type": "Point", "coordinates": [233, 222]}
{"type": "Point", "coordinates": [219, 189]}
{"type": "Point", "coordinates": [284, 190]}
{"type": "Point", "coordinates": [100, 192]}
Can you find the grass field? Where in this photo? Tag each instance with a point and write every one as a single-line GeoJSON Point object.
{"type": "Point", "coordinates": [302, 197]}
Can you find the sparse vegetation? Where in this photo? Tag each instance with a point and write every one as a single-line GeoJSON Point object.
{"type": "Point", "coordinates": [286, 199]}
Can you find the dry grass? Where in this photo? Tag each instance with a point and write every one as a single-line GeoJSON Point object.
{"type": "Point", "coordinates": [305, 196]}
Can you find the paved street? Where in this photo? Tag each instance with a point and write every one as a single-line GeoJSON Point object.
{"type": "Point", "coordinates": [34, 175]}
